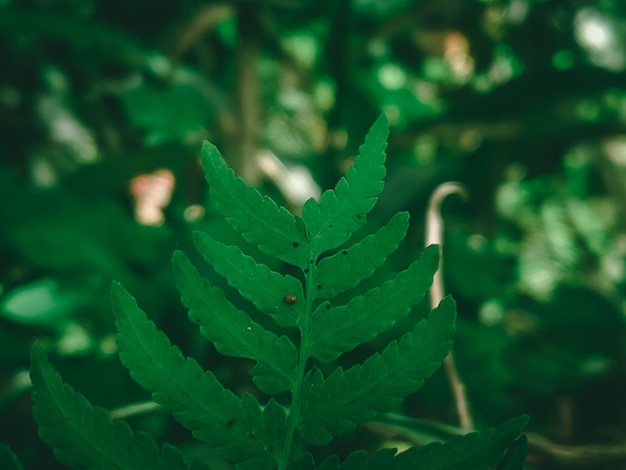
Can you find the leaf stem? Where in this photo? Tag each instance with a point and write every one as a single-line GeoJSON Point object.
{"type": "Point", "coordinates": [303, 357]}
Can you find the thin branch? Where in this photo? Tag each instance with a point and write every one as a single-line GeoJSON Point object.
{"type": "Point", "coordinates": [135, 409]}
{"type": "Point", "coordinates": [248, 91]}
{"type": "Point", "coordinates": [434, 235]}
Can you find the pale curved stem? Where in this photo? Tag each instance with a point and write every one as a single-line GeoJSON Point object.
{"type": "Point", "coordinates": [135, 409]}
{"type": "Point", "coordinates": [434, 235]}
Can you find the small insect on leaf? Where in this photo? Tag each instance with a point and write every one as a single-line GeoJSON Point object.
{"type": "Point", "coordinates": [290, 298]}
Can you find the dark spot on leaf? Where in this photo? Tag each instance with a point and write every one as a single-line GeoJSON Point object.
{"type": "Point", "coordinates": [295, 244]}
{"type": "Point", "coordinates": [311, 261]}
{"type": "Point", "coordinates": [328, 307]}
{"type": "Point", "coordinates": [319, 287]}
{"type": "Point", "coordinates": [330, 225]}
{"type": "Point", "coordinates": [359, 216]}
{"type": "Point", "coordinates": [290, 298]}
{"type": "Point", "coordinates": [306, 270]}
{"type": "Point", "coordinates": [231, 422]}
{"type": "Point", "coordinates": [344, 252]}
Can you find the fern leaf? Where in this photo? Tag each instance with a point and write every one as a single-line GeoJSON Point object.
{"type": "Point", "coordinates": [346, 398]}
{"type": "Point", "coordinates": [265, 288]}
{"type": "Point", "coordinates": [84, 436]}
{"type": "Point", "coordinates": [8, 460]}
{"type": "Point", "coordinates": [233, 332]}
{"type": "Point", "coordinates": [197, 399]}
{"type": "Point", "coordinates": [260, 221]}
{"type": "Point", "coordinates": [477, 451]}
{"type": "Point", "coordinates": [338, 330]}
{"type": "Point", "coordinates": [343, 210]}
{"type": "Point", "coordinates": [346, 268]}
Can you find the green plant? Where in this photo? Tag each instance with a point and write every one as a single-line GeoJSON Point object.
{"type": "Point", "coordinates": [306, 406]}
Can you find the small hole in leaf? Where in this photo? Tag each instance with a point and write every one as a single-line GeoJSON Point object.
{"type": "Point", "coordinates": [311, 261]}
{"type": "Point", "coordinates": [344, 252]}
{"type": "Point", "coordinates": [328, 307]}
{"type": "Point", "coordinates": [359, 216]}
{"type": "Point", "coordinates": [319, 287]}
{"type": "Point", "coordinates": [295, 244]}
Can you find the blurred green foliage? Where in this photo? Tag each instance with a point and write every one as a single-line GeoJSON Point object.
{"type": "Point", "coordinates": [523, 101]}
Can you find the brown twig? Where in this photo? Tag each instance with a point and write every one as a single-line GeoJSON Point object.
{"type": "Point", "coordinates": [434, 235]}
{"type": "Point", "coordinates": [248, 91]}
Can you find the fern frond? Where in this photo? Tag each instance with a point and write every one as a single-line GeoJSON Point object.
{"type": "Point", "coordinates": [346, 268]}
{"type": "Point", "coordinates": [233, 332]}
{"type": "Point", "coordinates": [260, 221]}
{"type": "Point", "coordinates": [263, 287]}
{"type": "Point", "coordinates": [84, 436]}
{"type": "Point", "coordinates": [336, 404]}
{"type": "Point", "coordinates": [197, 399]}
{"type": "Point", "coordinates": [336, 330]}
{"type": "Point", "coordinates": [343, 210]}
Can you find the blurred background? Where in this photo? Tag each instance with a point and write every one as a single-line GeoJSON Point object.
{"type": "Point", "coordinates": [103, 109]}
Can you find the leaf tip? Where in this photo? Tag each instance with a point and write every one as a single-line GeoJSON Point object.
{"type": "Point", "coordinates": [208, 149]}
{"type": "Point", "coordinates": [38, 362]}
{"type": "Point", "coordinates": [37, 355]}
{"type": "Point", "coordinates": [116, 287]}
{"type": "Point", "coordinates": [178, 257]}
{"type": "Point", "coordinates": [382, 121]}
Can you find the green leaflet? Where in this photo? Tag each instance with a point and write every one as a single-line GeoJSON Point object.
{"type": "Point", "coordinates": [338, 330]}
{"type": "Point", "coordinates": [8, 460]}
{"type": "Point", "coordinates": [197, 398]}
{"type": "Point", "coordinates": [336, 404]}
{"type": "Point", "coordinates": [269, 426]}
{"type": "Point", "coordinates": [343, 210]}
{"type": "Point", "coordinates": [233, 332]}
{"type": "Point", "coordinates": [476, 451]}
{"type": "Point", "coordinates": [84, 436]}
{"type": "Point", "coordinates": [346, 268]}
{"type": "Point", "coordinates": [263, 287]}
{"type": "Point", "coordinates": [260, 221]}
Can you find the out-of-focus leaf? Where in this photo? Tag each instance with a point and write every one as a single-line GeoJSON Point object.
{"type": "Point", "coordinates": [44, 301]}
{"type": "Point", "coordinates": [167, 113]}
